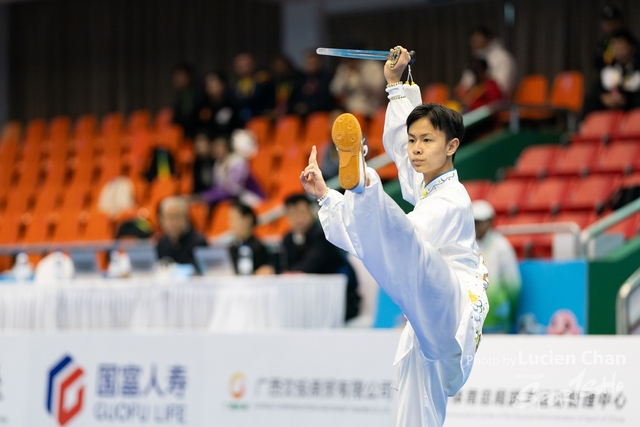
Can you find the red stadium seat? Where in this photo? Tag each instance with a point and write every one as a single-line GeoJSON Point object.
{"type": "Point", "coordinates": [619, 157]}
{"type": "Point", "coordinates": [590, 193]}
{"type": "Point", "coordinates": [477, 189]}
{"type": "Point", "coordinates": [629, 227]}
{"type": "Point", "coordinates": [629, 126]}
{"type": "Point", "coordinates": [599, 126]}
{"type": "Point", "coordinates": [534, 161]}
{"type": "Point", "coordinates": [522, 243]}
{"type": "Point", "coordinates": [576, 160]}
{"type": "Point", "coordinates": [506, 196]}
{"type": "Point", "coordinates": [542, 246]}
{"type": "Point", "coordinates": [545, 196]}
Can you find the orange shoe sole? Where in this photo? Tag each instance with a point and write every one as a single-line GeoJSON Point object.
{"type": "Point", "coordinates": [347, 136]}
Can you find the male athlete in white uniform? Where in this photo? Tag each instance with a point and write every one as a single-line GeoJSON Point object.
{"type": "Point", "coordinates": [427, 261]}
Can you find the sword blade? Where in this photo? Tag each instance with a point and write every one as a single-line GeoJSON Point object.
{"type": "Point", "coordinates": [378, 55]}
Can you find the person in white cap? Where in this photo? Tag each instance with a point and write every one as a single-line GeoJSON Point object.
{"type": "Point", "coordinates": [502, 264]}
{"type": "Point", "coordinates": [427, 261]}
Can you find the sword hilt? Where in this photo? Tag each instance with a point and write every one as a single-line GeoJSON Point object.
{"type": "Point", "coordinates": [396, 55]}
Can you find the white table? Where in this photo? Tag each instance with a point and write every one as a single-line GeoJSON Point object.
{"type": "Point", "coordinates": [217, 304]}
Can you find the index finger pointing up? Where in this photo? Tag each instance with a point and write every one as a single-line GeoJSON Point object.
{"type": "Point", "coordinates": [312, 156]}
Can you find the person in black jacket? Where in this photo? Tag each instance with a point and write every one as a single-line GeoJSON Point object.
{"type": "Point", "coordinates": [243, 220]}
{"type": "Point", "coordinates": [305, 249]}
{"type": "Point", "coordinates": [178, 237]}
{"type": "Point", "coordinates": [215, 112]}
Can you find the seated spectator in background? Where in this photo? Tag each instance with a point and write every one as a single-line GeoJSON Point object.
{"type": "Point", "coordinates": [202, 163]}
{"type": "Point", "coordinates": [253, 92]}
{"type": "Point", "coordinates": [305, 249]}
{"type": "Point", "coordinates": [178, 237]}
{"type": "Point", "coordinates": [215, 113]}
{"type": "Point", "coordinates": [185, 98]}
{"type": "Point", "coordinates": [243, 220]}
{"type": "Point", "coordinates": [501, 64]}
{"type": "Point", "coordinates": [285, 78]}
{"type": "Point", "coordinates": [161, 164]}
{"type": "Point", "coordinates": [116, 196]}
{"type": "Point", "coordinates": [312, 93]}
{"type": "Point", "coordinates": [504, 270]}
{"type": "Point", "coordinates": [618, 87]}
{"type": "Point", "coordinates": [231, 176]}
{"type": "Point", "coordinates": [358, 85]}
{"type": "Point", "coordinates": [610, 23]}
{"type": "Point", "coordinates": [484, 91]}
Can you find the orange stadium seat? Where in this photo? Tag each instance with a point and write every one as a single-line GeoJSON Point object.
{"type": "Point", "coordinates": [619, 157]}
{"type": "Point", "coordinates": [67, 228]}
{"type": "Point", "coordinates": [112, 124]}
{"type": "Point", "coordinates": [164, 118]}
{"type": "Point", "coordinates": [10, 228]}
{"type": "Point", "coordinates": [568, 91]}
{"type": "Point", "coordinates": [12, 131]}
{"type": "Point", "coordinates": [506, 196]}
{"type": "Point", "coordinates": [199, 214]}
{"type": "Point", "coordinates": [376, 126]}
{"type": "Point", "coordinates": [590, 193]}
{"type": "Point", "coordinates": [576, 160]}
{"type": "Point", "coordinates": [436, 93]}
{"type": "Point", "coordinates": [59, 127]}
{"type": "Point", "coordinates": [316, 129]}
{"type": "Point", "coordinates": [98, 227]}
{"type": "Point", "coordinates": [86, 126]}
{"type": "Point", "coordinates": [287, 131]}
{"type": "Point", "coordinates": [139, 120]}
{"type": "Point", "coordinates": [219, 219]}
{"type": "Point", "coordinates": [37, 227]}
{"type": "Point", "coordinates": [36, 130]}
{"type": "Point", "coordinates": [160, 189]}
{"type": "Point", "coordinates": [545, 196]}
{"type": "Point", "coordinates": [261, 127]}
{"type": "Point", "coordinates": [17, 201]}
{"type": "Point", "coordinates": [534, 161]}
{"type": "Point", "coordinates": [533, 91]}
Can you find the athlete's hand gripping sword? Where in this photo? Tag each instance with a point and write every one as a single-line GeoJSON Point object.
{"type": "Point", "coordinates": [377, 55]}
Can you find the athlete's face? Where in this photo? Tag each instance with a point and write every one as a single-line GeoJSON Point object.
{"type": "Point", "coordinates": [429, 151]}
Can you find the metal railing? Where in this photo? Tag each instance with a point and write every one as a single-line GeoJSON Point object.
{"type": "Point", "coordinates": [628, 306]}
{"type": "Point", "coordinates": [562, 248]}
{"type": "Point", "coordinates": [589, 234]}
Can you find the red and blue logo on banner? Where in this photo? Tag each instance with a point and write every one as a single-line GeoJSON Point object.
{"type": "Point", "coordinates": [64, 391]}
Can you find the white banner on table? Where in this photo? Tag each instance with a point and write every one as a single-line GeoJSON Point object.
{"type": "Point", "coordinates": [234, 303]}
{"type": "Point", "coordinates": [310, 378]}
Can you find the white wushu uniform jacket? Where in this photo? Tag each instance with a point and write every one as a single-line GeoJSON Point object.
{"type": "Point", "coordinates": [427, 261]}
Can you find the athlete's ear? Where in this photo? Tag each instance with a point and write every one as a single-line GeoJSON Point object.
{"type": "Point", "coordinates": [452, 146]}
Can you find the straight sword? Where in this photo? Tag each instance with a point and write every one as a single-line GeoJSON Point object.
{"type": "Point", "coordinates": [376, 55]}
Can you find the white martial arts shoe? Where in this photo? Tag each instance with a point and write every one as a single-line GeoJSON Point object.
{"type": "Point", "coordinates": [347, 136]}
